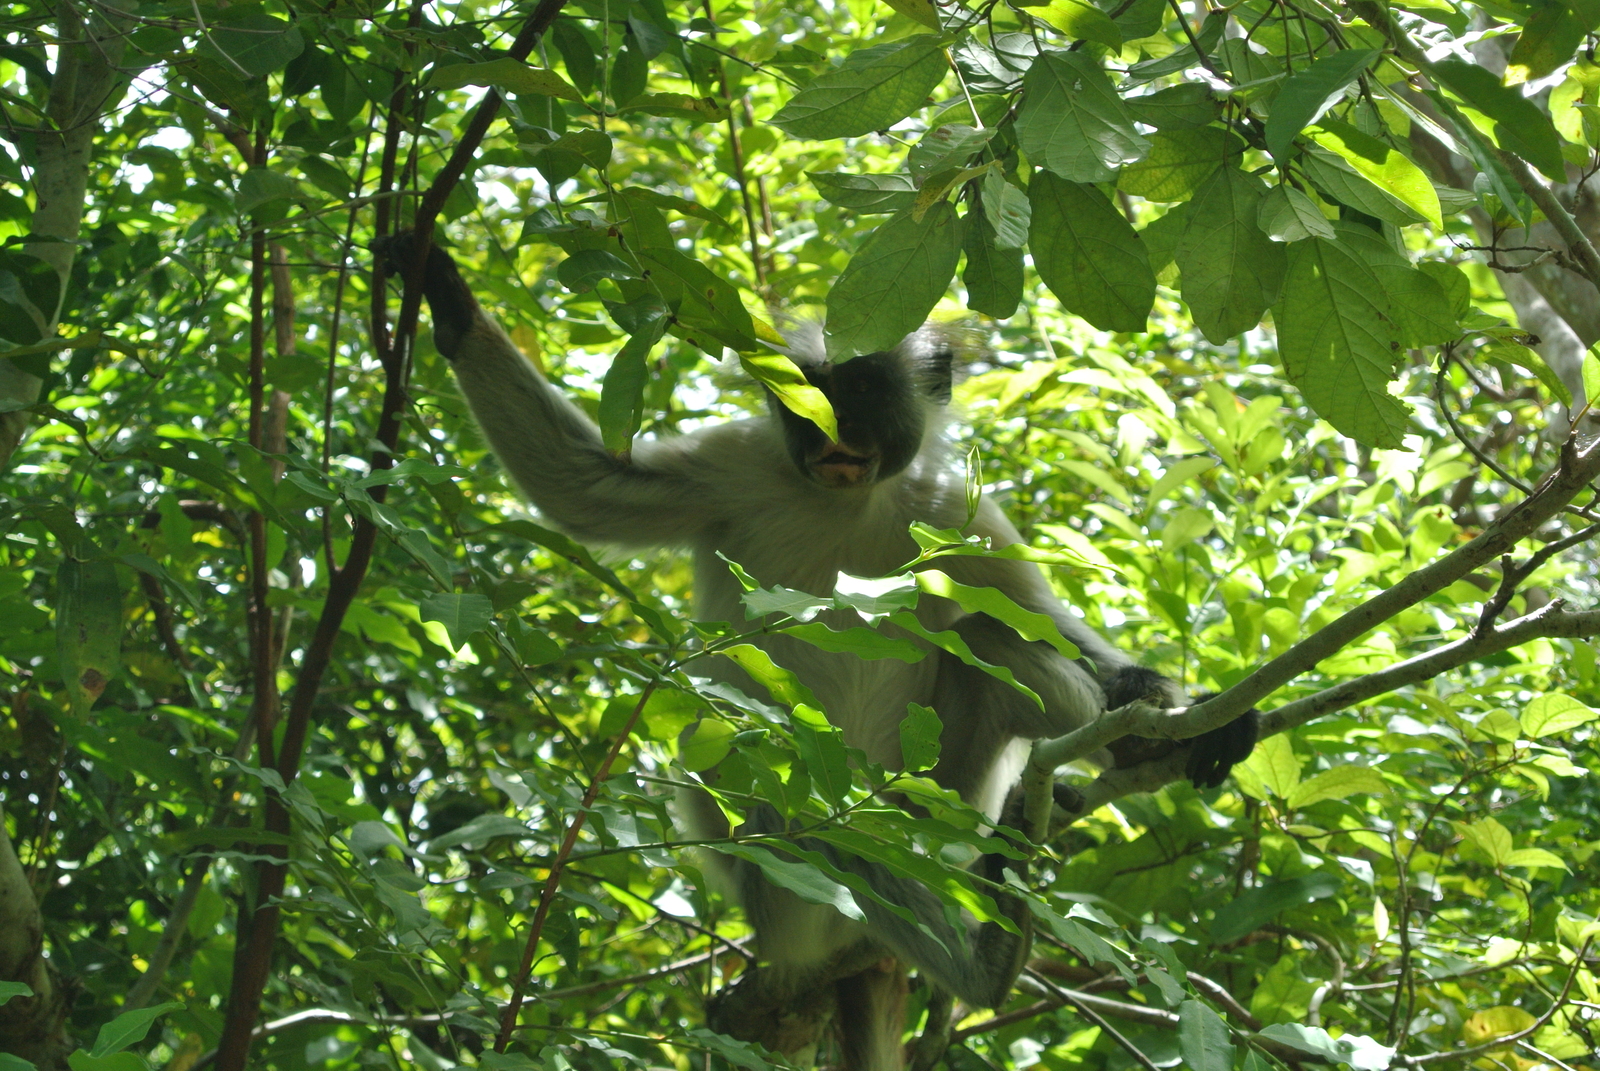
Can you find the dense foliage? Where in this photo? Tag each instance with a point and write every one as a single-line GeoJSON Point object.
{"type": "Point", "coordinates": [1272, 307]}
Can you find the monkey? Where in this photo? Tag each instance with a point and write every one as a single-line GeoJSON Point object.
{"type": "Point", "coordinates": [794, 507]}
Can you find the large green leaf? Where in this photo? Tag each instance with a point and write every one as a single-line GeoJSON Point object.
{"type": "Point", "coordinates": [1231, 270]}
{"type": "Point", "coordinates": [1337, 343]}
{"type": "Point", "coordinates": [622, 393]}
{"type": "Point", "coordinates": [1306, 95]}
{"type": "Point", "coordinates": [1252, 908]}
{"type": "Point", "coordinates": [1179, 162]}
{"type": "Point", "coordinates": [88, 628]}
{"type": "Point", "coordinates": [1088, 254]}
{"type": "Point", "coordinates": [506, 73]}
{"type": "Point", "coordinates": [1421, 310]}
{"type": "Point", "coordinates": [1203, 1038]}
{"type": "Point", "coordinates": [893, 282]}
{"type": "Point", "coordinates": [1343, 183]}
{"type": "Point", "coordinates": [1287, 215]}
{"type": "Point", "coordinates": [1382, 165]}
{"type": "Point", "coordinates": [1520, 126]}
{"type": "Point", "coordinates": [249, 42]}
{"type": "Point", "coordinates": [893, 192]}
{"type": "Point", "coordinates": [1073, 122]}
{"type": "Point", "coordinates": [993, 276]}
{"type": "Point", "coordinates": [873, 89]}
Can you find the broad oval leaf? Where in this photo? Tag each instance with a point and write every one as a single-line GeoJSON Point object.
{"type": "Point", "coordinates": [88, 628]}
{"type": "Point", "coordinates": [1077, 18]}
{"type": "Point", "coordinates": [1203, 1038]}
{"type": "Point", "coordinates": [894, 192]}
{"type": "Point", "coordinates": [1340, 182]}
{"type": "Point", "coordinates": [1422, 314]}
{"type": "Point", "coordinates": [1231, 270]}
{"type": "Point", "coordinates": [1073, 122]}
{"type": "Point", "coordinates": [1256, 906]}
{"type": "Point", "coordinates": [1088, 254]}
{"type": "Point", "coordinates": [893, 282]}
{"type": "Point", "coordinates": [461, 615]}
{"type": "Point", "coordinates": [993, 276]}
{"type": "Point", "coordinates": [1339, 783]}
{"type": "Point", "coordinates": [1555, 713]}
{"type": "Point", "coordinates": [873, 89]}
{"type": "Point", "coordinates": [1337, 343]}
{"type": "Point", "coordinates": [1520, 126]}
{"type": "Point", "coordinates": [1179, 162]}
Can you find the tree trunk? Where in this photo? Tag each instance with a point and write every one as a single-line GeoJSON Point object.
{"type": "Point", "coordinates": [86, 83]}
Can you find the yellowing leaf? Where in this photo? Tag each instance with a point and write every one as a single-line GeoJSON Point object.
{"type": "Point", "coordinates": [1489, 837]}
{"type": "Point", "coordinates": [1555, 713]}
{"type": "Point", "coordinates": [1536, 857]}
{"type": "Point", "coordinates": [1494, 1023]}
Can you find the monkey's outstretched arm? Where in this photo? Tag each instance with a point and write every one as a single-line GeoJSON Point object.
{"type": "Point", "coordinates": [550, 448]}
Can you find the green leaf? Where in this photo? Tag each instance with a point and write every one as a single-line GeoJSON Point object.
{"type": "Point", "coordinates": [1073, 122]}
{"type": "Point", "coordinates": [859, 641]}
{"type": "Point", "coordinates": [1007, 211]}
{"type": "Point", "coordinates": [461, 615]}
{"type": "Point", "coordinates": [80, 1060]}
{"type": "Point", "coordinates": [129, 1028]}
{"type": "Point", "coordinates": [1337, 343]}
{"type": "Point", "coordinates": [783, 378]}
{"type": "Point", "coordinates": [893, 282]}
{"type": "Point", "coordinates": [1274, 762]}
{"type": "Point", "coordinates": [919, 738]}
{"type": "Point", "coordinates": [14, 989]}
{"type": "Point", "coordinates": [1489, 837]}
{"type": "Point", "coordinates": [822, 748]}
{"type": "Point", "coordinates": [1311, 92]}
{"type": "Point", "coordinates": [1590, 371]}
{"type": "Point", "coordinates": [1260, 905]}
{"type": "Point", "coordinates": [921, 11]}
{"type": "Point", "coordinates": [945, 148]}
{"type": "Point", "coordinates": [800, 878]}
{"type": "Point", "coordinates": [251, 42]}
{"type": "Point", "coordinates": [506, 73]}
{"type": "Point", "coordinates": [88, 628]}
{"type": "Point", "coordinates": [259, 186]}
{"type": "Point", "coordinates": [1203, 1038]}
{"type": "Point", "coordinates": [998, 605]}
{"type": "Point", "coordinates": [1519, 124]}
{"type": "Point", "coordinates": [1177, 107]}
{"type": "Point", "coordinates": [1383, 165]}
{"type": "Point", "coordinates": [1537, 857]}
{"type": "Point", "coordinates": [8, 1062]}
{"type": "Point", "coordinates": [1231, 270]}
{"type": "Point", "coordinates": [1179, 162]}
{"type": "Point", "coordinates": [782, 685]}
{"type": "Point", "coordinates": [709, 303]}
{"type": "Point", "coordinates": [1548, 715]}
{"type": "Point", "coordinates": [872, 90]}
{"type": "Point", "coordinates": [993, 276]}
{"type": "Point", "coordinates": [1077, 18]}
{"type": "Point", "coordinates": [954, 644]}
{"type": "Point", "coordinates": [1340, 182]}
{"type": "Point", "coordinates": [586, 267]}
{"type": "Point", "coordinates": [30, 291]}
{"type": "Point", "coordinates": [1287, 215]}
{"type": "Point", "coordinates": [622, 393]}
{"type": "Point", "coordinates": [1088, 254]}
{"type": "Point", "coordinates": [1339, 783]}
{"type": "Point", "coordinates": [1548, 39]}
{"type": "Point", "coordinates": [707, 745]}
{"type": "Point", "coordinates": [866, 193]}
{"type": "Point", "coordinates": [1421, 312]}
{"type": "Point", "coordinates": [1359, 1051]}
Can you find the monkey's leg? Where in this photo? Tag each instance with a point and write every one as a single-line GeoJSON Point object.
{"type": "Point", "coordinates": [871, 1016]}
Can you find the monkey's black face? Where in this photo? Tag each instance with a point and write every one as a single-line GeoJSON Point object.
{"type": "Point", "coordinates": [881, 412]}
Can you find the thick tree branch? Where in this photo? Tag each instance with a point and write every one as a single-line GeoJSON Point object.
{"type": "Point", "coordinates": [1549, 622]}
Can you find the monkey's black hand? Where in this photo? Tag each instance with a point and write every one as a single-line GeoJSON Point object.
{"type": "Point", "coordinates": [1212, 755]}
{"type": "Point", "coordinates": [454, 308]}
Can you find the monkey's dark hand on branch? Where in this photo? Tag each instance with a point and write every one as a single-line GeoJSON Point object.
{"type": "Point", "coordinates": [1211, 754]}
{"type": "Point", "coordinates": [455, 310]}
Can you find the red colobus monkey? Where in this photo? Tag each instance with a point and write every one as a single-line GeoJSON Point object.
{"type": "Point", "coordinates": [795, 508]}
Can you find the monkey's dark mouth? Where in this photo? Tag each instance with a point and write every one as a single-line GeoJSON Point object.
{"type": "Point", "coordinates": [841, 468]}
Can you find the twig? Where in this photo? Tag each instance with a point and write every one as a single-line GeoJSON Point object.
{"type": "Point", "coordinates": [1094, 1017]}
